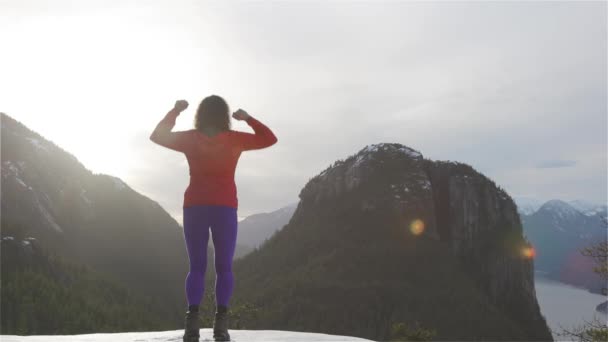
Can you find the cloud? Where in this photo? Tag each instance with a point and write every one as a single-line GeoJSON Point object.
{"type": "Point", "coordinates": [557, 163]}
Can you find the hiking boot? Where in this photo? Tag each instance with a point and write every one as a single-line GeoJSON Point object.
{"type": "Point", "coordinates": [220, 324]}
{"type": "Point", "coordinates": [191, 333]}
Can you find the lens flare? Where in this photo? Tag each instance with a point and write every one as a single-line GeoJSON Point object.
{"type": "Point", "coordinates": [529, 252]}
{"type": "Point", "coordinates": [417, 227]}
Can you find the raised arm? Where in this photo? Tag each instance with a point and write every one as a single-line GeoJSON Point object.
{"type": "Point", "coordinates": [162, 134]}
{"type": "Point", "coordinates": [263, 136]}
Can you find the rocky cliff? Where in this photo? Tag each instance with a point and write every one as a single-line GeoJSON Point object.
{"type": "Point", "coordinates": [479, 221]}
{"type": "Point", "coordinates": [450, 203]}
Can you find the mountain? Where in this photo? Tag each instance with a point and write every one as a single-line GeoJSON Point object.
{"type": "Point", "coordinates": [94, 220]}
{"type": "Point", "coordinates": [558, 232]}
{"type": "Point", "coordinates": [256, 228]}
{"type": "Point", "coordinates": [590, 209]}
{"type": "Point", "coordinates": [238, 335]}
{"type": "Point", "coordinates": [386, 237]}
{"type": "Point", "coordinates": [527, 205]}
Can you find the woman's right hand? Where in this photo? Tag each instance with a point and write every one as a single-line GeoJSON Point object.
{"type": "Point", "coordinates": [180, 105]}
{"type": "Point", "coordinates": [240, 115]}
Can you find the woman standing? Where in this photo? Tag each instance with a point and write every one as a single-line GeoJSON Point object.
{"type": "Point", "coordinates": [210, 201]}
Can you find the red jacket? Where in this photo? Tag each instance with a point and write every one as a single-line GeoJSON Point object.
{"type": "Point", "coordinates": [212, 160]}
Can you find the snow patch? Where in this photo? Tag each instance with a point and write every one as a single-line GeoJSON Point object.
{"type": "Point", "coordinates": [118, 184]}
{"type": "Point", "coordinates": [37, 144]}
{"type": "Point", "coordinates": [360, 158]}
{"type": "Point", "coordinates": [367, 152]}
{"type": "Point", "coordinates": [426, 184]}
{"type": "Point", "coordinates": [84, 197]}
{"type": "Point", "coordinates": [10, 169]}
{"type": "Point", "coordinates": [47, 216]}
{"type": "Point", "coordinates": [410, 152]}
{"type": "Point", "coordinates": [371, 148]}
{"type": "Point", "coordinates": [586, 206]}
{"type": "Point", "coordinates": [176, 335]}
{"type": "Point", "coordinates": [50, 219]}
{"type": "Point", "coordinates": [527, 205]}
{"type": "Point", "coordinates": [21, 182]}
{"type": "Point", "coordinates": [526, 210]}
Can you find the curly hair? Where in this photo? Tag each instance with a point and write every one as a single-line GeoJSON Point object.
{"type": "Point", "coordinates": [213, 112]}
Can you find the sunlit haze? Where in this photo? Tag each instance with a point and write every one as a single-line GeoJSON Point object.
{"type": "Point", "coordinates": [517, 90]}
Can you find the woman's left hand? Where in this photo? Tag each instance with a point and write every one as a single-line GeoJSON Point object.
{"type": "Point", "coordinates": [241, 115]}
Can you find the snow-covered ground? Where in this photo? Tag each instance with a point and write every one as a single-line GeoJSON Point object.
{"type": "Point", "coordinates": [176, 336]}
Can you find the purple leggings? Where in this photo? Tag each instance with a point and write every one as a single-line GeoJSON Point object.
{"type": "Point", "coordinates": [223, 223]}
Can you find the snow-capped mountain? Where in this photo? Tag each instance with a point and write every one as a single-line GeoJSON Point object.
{"type": "Point", "coordinates": [176, 335]}
{"type": "Point", "coordinates": [565, 218]}
{"type": "Point", "coordinates": [527, 205]}
{"type": "Point", "coordinates": [559, 231]}
{"type": "Point", "coordinates": [588, 208]}
{"type": "Point", "coordinates": [560, 213]}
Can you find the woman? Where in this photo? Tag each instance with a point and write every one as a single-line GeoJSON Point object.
{"type": "Point", "coordinates": [210, 201]}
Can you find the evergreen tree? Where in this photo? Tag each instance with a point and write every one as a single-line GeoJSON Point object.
{"type": "Point", "coordinates": [595, 330]}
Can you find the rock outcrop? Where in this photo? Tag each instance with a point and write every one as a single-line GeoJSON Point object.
{"type": "Point", "coordinates": [449, 202]}
{"type": "Point", "coordinates": [479, 221]}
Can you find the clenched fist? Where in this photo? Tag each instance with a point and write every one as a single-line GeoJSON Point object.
{"type": "Point", "coordinates": [240, 115]}
{"type": "Point", "coordinates": [181, 105]}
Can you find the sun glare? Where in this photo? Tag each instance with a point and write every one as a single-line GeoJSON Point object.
{"type": "Point", "coordinates": [529, 252]}
{"type": "Point", "coordinates": [417, 227]}
{"type": "Point", "coordinates": [104, 80]}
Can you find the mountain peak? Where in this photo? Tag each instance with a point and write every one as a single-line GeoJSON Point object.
{"type": "Point", "coordinates": [374, 154]}
{"type": "Point", "coordinates": [385, 172]}
{"type": "Point", "coordinates": [23, 144]}
{"type": "Point", "coordinates": [560, 212]}
{"type": "Point", "coordinates": [391, 148]}
{"type": "Point", "coordinates": [560, 207]}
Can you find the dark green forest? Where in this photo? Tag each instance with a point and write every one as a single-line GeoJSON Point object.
{"type": "Point", "coordinates": [43, 293]}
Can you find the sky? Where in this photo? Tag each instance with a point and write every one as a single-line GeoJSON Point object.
{"type": "Point", "coordinates": [518, 90]}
